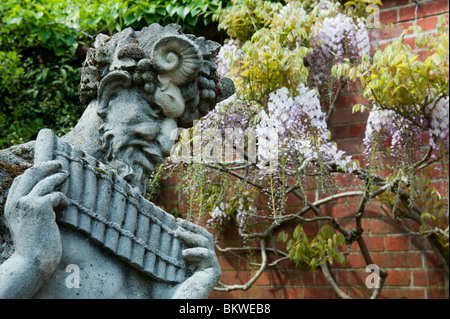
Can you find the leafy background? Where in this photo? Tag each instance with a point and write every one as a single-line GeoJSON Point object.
{"type": "Point", "coordinates": [44, 42]}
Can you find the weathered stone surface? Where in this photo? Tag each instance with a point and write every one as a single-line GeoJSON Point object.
{"type": "Point", "coordinates": [13, 162]}
{"type": "Point", "coordinates": [79, 206]}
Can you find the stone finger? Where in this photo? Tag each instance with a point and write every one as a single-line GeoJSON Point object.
{"type": "Point", "coordinates": [56, 199]}
{"type": "Point", "coordinates": [195, 228]}
{"type": "Point", "coordinates": [48, 184]}
{"type": "Point", "coordinates": [192, 239]}
{"type": "Point", "coordinates": [198, 256]}
{"type": "Point", "coordinates": [26, 182]}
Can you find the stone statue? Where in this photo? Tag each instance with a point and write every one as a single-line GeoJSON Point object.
{"type": "Point", "coordinates": [79, 224]}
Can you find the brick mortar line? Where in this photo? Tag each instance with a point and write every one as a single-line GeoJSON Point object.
{"type": "Point", "coordinates": [347, 270]}
{"type": "Point", "coordinates": [406, 5]}
{"type": "Point", "coordinates": [407, 36]}
{"type": "Point", "coordinates": [343, 285]}
{"type": "Point", "coordinates": [424, 17]}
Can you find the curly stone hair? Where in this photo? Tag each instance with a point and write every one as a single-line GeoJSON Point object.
{"type": "Point", "coordinates": [155, 50]}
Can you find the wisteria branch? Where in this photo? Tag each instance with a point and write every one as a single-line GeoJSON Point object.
{"type": "Point", "coordinates": [329, 277]}
{"type": "Point", "coordinates": [375, 185]}
{"type": "Point", "coordinates": [330, 113]}
{"type": "Point", "coordinates": [249, 283]}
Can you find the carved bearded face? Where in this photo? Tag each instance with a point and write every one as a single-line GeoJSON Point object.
{"type": "Point", "coordinates": [147, 83]}
{"type": "Point", "coordinates": [135, 136]}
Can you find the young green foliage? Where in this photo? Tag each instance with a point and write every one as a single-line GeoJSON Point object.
{"type": "Point", "coordinates": [42, 46]}
{"type": "Point", "coordinates": [324, 247]}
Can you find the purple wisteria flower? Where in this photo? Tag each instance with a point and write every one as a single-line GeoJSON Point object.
{"type": "Point", "coordinates": [218, 217]}
{"type": "Point", "coordinates": [439, 126]}
{"type": "Point", "coordinates": [337, 38]}
{"type": "Point", "coordinates": [387, 125]}
{"type": "Point", "coordinates": [301, 128]}
{"type": "Point", "coordinates": [227, 53]}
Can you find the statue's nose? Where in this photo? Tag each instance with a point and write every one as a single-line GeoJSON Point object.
{"type": "Point", "coordinates": [148, 130]}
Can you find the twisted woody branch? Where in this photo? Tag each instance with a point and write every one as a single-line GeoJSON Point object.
{"type": "Point", "coordinates": [353, 235]}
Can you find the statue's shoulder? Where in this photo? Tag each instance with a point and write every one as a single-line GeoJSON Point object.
{"type": "Point", "coordinates": [14, 161]}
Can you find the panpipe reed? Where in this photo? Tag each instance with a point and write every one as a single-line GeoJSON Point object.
{"type": "Point", "coordinates": [125, 245]}
{"type": "Point", "coordinates": [89, 194]}
{"type": "Point", "coordinates": [139, 249]}
{"type": "Point", "coordinates": [104, 194]}
{"type": "Point", "coordinates": [112, 214]}
{"type": "Point", "coordinates": [117, 213]}
{"type": "Point", "coordinates": [64, 149]}
{"type": "Point", "coordinates": [150, 258]}
{"type": "Point", "coordinates": [70, 215]}
{"type": "Point", "coordinates": [171, 271]}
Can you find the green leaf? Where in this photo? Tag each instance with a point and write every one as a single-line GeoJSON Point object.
{"type": "Point", "coordinates": [170, 9]}
{"type": "Point", "coordinates": [38, 15]}
{"type": "Point", "coordinates": [356, 108]}
{"type": "Point", "coordinates": [330, 242]}
{"type": "Point", "coordinates": [44, 73]}
{"type": "Point", "coordinates": [14, 20]}
{"type": "Point", "coordinates": [183, 12]}
{"type": "Point", "coordinates": [327, 231]}
{"type": "Point", "coordinates": [298, 232]}
{"type": "Point", "coordinates": [161, 10]}
{"type": "Point", "coordinates": [340, 239]}
{"type": "Point", "coordinates": [58, 50]}
{"type": "Point", "coordinates": [150, 9]}
{"type": "Point", "coordinates": [195, 11]}
{"type": "Point", "coordinates": [283, 236]}
{"type": "Point", "coordinates": [129, 19]}
{"type": "Point", "coordinates": [69, 40]}
{"type": "Point", "coordinates": [192, 20]}
{"type": "Point", "coordinates": [149, 19]}
{"type": "Point", "coordinates": [63, 73]}
{"type": "Point", "coordinates": [44, 35]}
{"type": "Point", "coordinates": [32, 28]}
{"type": "Point", "coordinates": [341, 258]}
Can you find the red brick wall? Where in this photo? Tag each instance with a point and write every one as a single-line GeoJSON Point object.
{"type": "Point", "coordinates": [413, 269]}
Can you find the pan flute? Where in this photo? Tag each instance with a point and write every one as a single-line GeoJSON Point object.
{"type": "Point", "coordinates": [105, 208]}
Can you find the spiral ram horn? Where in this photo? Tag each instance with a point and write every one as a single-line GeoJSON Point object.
{"type": "Point", "coordinates": [178, 57]}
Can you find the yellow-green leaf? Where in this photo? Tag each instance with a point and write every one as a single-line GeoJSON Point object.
{"type": "Point", "coordinates": [245, 73]}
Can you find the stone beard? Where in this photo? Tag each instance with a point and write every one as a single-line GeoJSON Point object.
{"type": "Point", "coordinates": [120, 155]}
{"type": "Point", "coordinates": [139, 86]}
{"type": "Point", "coordinates": [148, 89]}
{"type": "Point", "coordinates": [135, 136]}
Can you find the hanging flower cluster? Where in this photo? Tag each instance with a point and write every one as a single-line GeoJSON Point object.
{"type": "Point", "coordinates": [392, 130]}
{"type": "Point", "coordinates": [243, 211]}
{"type": "Point", "coordinates": [230, 113]}
{"type": "Point", "coordinates": [337, 38]}
{"type": "Point", "coordinates": [298, 123]}
{"type": "Point", "coordinates": [227, 53]}
{"type": "Point", "coordinates": [439, 127]}
{"type": "Point", "coordinates": [218, 217]}
{"type": "Point", "coordinates": [402, 134]}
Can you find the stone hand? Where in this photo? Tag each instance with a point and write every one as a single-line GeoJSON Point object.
{"type": "Point", "coordinates": [201, 255]}
{"type": "Point", "coordinates": [30, 215]}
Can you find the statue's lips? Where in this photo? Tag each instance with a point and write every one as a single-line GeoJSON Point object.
{"type": "Point", "coordinates": [154, 153]}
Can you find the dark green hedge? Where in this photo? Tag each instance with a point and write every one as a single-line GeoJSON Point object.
{"type": "Point", "coordinates": [42, 46]}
